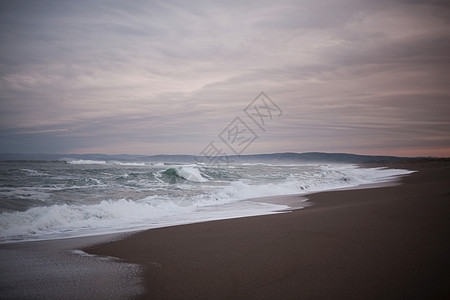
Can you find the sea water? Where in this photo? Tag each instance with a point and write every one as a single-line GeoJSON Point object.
{"type": "Point", "coordinates": [55, 199]}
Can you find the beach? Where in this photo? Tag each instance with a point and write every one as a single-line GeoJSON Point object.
{"type": "Point", "coordinates": [387, 242]}
{"type": "Point", "coordinates": [380, 243]}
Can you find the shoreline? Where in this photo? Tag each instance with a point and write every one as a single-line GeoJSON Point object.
{"type": "Point", "coordinates": [261, 206]}
{"type": "Point", "coordinates": [388, 242]}
{"type": "Point", "coordinates": [286, 255]}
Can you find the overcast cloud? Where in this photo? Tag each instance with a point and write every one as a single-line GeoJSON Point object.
{"type": "Point", "coordinates": [166, 77]}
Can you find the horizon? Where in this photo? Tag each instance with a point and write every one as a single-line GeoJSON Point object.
{"type": "Point", "coordinates": [246, 154]}
{"type": "Point", "coordinates": [237, 78]}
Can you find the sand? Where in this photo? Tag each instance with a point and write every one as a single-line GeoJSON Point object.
{"type": "Point", "coordinates": [52, 270]}
{"type": "Point", "coordinates": [380, 243]}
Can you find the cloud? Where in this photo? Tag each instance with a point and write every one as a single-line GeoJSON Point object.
{"type": "Point", "coordinates": [350, 75]}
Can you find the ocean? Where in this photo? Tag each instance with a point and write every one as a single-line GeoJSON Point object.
{"type": "Point", "coordinates": [41, 200]}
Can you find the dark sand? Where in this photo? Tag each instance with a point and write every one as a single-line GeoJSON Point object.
{"type": "Point", "coordinates": [381, 243]}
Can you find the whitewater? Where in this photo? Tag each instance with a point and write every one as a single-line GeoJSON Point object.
{"type": "Point", "coordinates": [42, 200]}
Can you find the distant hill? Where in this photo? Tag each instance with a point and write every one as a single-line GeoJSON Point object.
{"type": "Point", "coordinates": [274, 157]}
{"type": "Point", "coordinates": [322, 157]}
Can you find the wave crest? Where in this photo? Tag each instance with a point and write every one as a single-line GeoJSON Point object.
{"type": "Point", "coordinates": [187, 173]}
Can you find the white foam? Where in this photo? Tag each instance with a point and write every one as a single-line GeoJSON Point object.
{"type": "Point", "coordinates": [65, 218]}
{"type": "Point", "coordinates": [190, 173]}
{"type": "Point", "coordinates": [31, 172]}
{"type": "Point", "coordinates": [86, 162]}
{"type": "Point", "coordinates": [329, 178]}
{"type": "Point", "coordinates": [130, 164]}
{"type": "Point", "coordinates": [58, 221]}
{"type": "Point", "coordinates": [104, 162]}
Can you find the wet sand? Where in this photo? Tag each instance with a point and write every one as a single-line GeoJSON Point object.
{"type": "Point", "coordinates": [52, 270]}
{"type": "Point", "coordinates": [380, 243]}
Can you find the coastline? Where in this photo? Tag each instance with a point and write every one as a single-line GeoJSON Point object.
{"type": "Point", "coordinates": [387, 242]}
{"type": "Point", "coordinates": [376, 242]}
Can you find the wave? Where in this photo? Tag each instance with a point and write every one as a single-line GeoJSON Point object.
{"type": "Point", "coordinates": [58, 221]}
{"type": "Point", "coordinates": [187, 173]}
{"type": "Point", "coordinates": [31, 172]}
{"type": "Point", "coordinates": [131, 164]}
{"type": "Point", "coordinates": [190, 173]}
{"type": "Point", "coordinates": [104, 162]}
{"type": "Point", "coordinates": [328, 178]}
{"type": "Point", "coordinates": [77, 218]}
{"type": "Point", "coordinates": [86, 162]}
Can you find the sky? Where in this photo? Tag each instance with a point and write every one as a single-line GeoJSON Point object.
{"type": "Point", "coordinates": [185, 77]}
